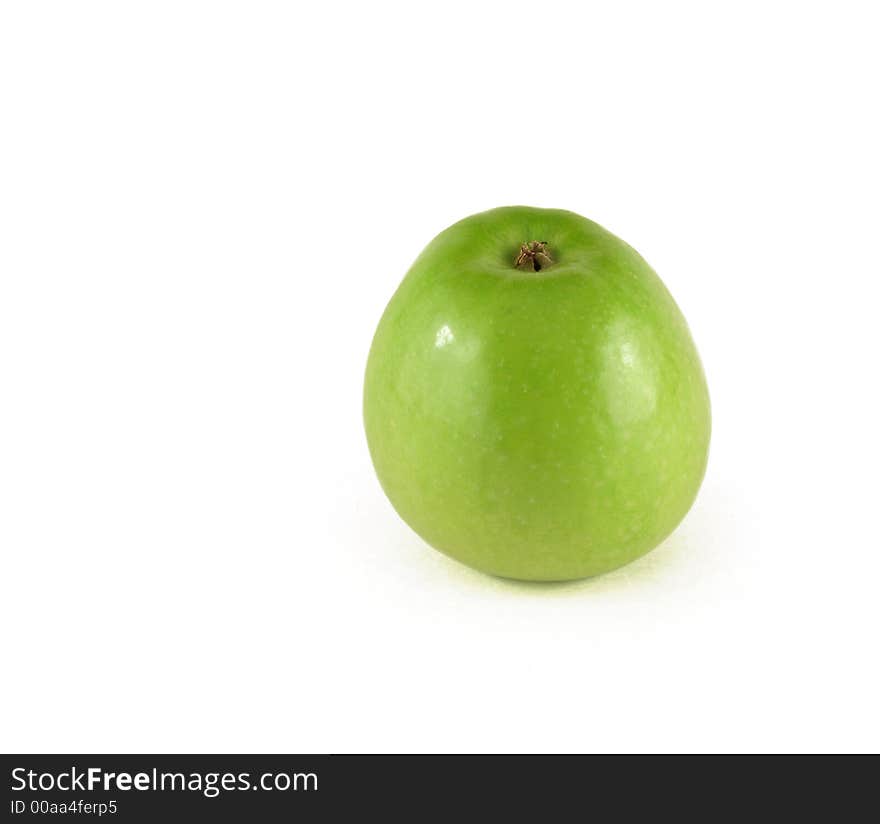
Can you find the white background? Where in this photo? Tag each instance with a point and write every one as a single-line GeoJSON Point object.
{"type": "Point", "coordinates": [203, 211]}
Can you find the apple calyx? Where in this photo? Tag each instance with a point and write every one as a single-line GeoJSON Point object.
{"type": "Point", "coordinates": [533, 255]}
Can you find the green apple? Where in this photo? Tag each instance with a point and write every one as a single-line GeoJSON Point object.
{"type": "Point", "coordinates": [534, 403]}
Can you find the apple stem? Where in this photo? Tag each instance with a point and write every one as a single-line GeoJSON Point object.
{"type": "Point", "coordinates": [533, 255]}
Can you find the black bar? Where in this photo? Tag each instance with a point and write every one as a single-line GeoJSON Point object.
{"type": "Point", "coordinates": [256, 788]}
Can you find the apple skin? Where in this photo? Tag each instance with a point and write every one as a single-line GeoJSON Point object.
{"type": "Point", "coordinates": [539, 425]}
